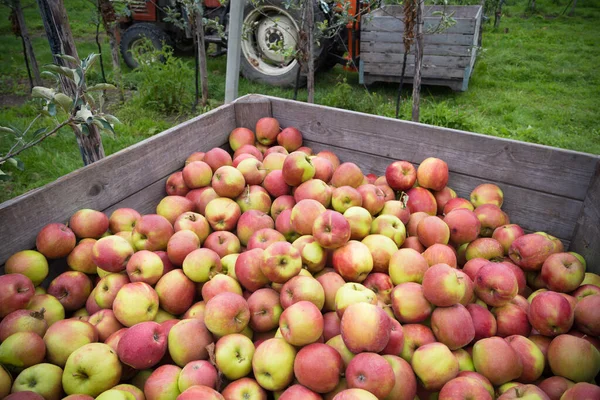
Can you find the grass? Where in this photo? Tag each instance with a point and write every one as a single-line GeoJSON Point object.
{"type": "Point", "coordinates": [535, 80]}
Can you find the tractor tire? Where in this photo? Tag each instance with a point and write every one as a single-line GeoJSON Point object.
{"type": "Point", "coordinates": [133, 37]}
{"type": "Point", "coordinates": [272, 22]}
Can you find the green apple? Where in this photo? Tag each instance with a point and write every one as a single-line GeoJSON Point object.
{"type": "Point", "coordinates": [91, 369]}
{"type": "Point", "coordinates": [44, 379]}
{"type": "Point", "coordinates": [273, 364]}
{"type": "Point", "coordinates": [5, 382]}
{"type": "Point", "coordinates": [234, 355]}
{"type": "Point", "coordinates": [66, 336]}
{"type": "Point", "coordinates": [54, 310]}
{"type": "Point", "coordinates": [22, 350]}
{"type": "Point", "coordinates": [137, 393]}
{"type": "Point", "coordinates": [30, 263]}
{"type": "Point", "coordinates": [113, 394]}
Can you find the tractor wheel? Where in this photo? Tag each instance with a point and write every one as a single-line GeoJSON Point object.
{"type": "Point", "coordinates": [265, 26]}
{"type": "Point", "coordinates": [133, 39]}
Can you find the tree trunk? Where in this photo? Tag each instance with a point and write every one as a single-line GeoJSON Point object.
{"type": "Point", "coordinates": [572, 12]}
{"type": "Point", "coordinates": [37, 80]}
{"type": "Point", "coordinates": [202, 57]}
{"type": "Point", "coordinates": [61, 41]}
{"type": "Point", "coordinates": [109, 20]}
{"type": "Point", "coordinates": [418, 62]}
{"type": "Point", "coordinates": [310, 78]}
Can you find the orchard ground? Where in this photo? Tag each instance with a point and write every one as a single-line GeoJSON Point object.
{"type": "Point", "coordinates": [535, 80]}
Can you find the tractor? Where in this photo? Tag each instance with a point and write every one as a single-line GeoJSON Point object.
{"type": "Point", "coordinates": [273, 25]}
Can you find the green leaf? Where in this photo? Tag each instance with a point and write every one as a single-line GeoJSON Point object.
{"type": "Point", "coordinates": [78, 76]}
{"type": "Point", "coordinates": [4, 177]}
{"type": "Point", "coordinates": [90, 99]}
{"type": "Point", "coordinates": [64, 101]}
{"type": "Point", "coordinates": [43, 92]}
{"type": "Point", "coordinates": [6, 129]}
{"type": "Point", "coordinates": [105, 125]}
{"type": "Point", "coordinates": [52, 109]}
{"type": "Point", "coordinates": [111, 118]}
{"type": "Point", "coordinates": [89, 61]}
{"type": "Point", "coordinates": [67, 57]}
{"type": "Point", "coordinates": [68, 72]}
{"type": "Point", "coordinates": [101, 86]}
{"type": "Point", "coordinates": [18, 164]}
{"type": "Point", "coordinates": [85, 129]}
{"type": "Point", "coordinates": [39, 132]}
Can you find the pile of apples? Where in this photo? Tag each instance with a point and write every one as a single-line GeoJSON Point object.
{"type": "Point", "coordinates": [276, 273]}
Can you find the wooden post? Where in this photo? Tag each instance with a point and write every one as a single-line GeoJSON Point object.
{"type": "Point", "coordinates": [418, 62]}
{"type": "Point", "coordinates": [61, 41]}
{"type": "Point", "coordinates": [234, 41]}
{"type": "Point", "coordinates": [37, 80]}
{"type": "Point", "coordinates": [109, 20]}
{"type": "Point", "coordinates": [310, 46]}
{"type": "Point", "coordinates": [202, 57]}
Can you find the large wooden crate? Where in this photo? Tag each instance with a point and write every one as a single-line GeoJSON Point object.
{"type": "Point", "coordinates": [448, 56]}
{"type": "Point", "coordinates": [546, 189]}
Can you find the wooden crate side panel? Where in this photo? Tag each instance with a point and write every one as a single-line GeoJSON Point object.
{"type": "Point", "coordinates": [427, 71]}
{"type": "Point", "coordinates": [428, 60]}
{"type": "Point", "coordinates": [395, 25]}
{"type": "Point", "coordinates": [540, 168]}
{"type": "Point", "coordinates": [586, 240]}
{"type": "Point", "coordinates": [249, 109]}
{"type": "Point", "coordinates": [108, 181]}
{"type": "Point", "coordinates": [440, 38]}
{"type": "Point", "coordinates": [532, 210]}
{"type": "Point", "coordinates": [456, 11]}
{"type": "Point", "coordinates": [454, 84]}
{"type": "Point", "coordinates": [434, 50]}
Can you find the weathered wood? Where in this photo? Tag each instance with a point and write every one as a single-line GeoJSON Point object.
{"type": "Point", "coordinates": [586, 239]}
{"type": "Point", "coordinates": [432, 49]}
{"type": "Point", "coordinates": [438, 61]}
{"type": "Point", "coordinates": [454, 84]}
{"type": "Point", "coordinates": [108, 181]}
{"type": "Point", "coordinates": [532, 210]}
{"type": "Point", "coordinates": [541, 168]}
{"type": "Point", "coordinates": [250, 110]}
{"type": "Point", "coordinates": [455, 11]}
{"type": "Point", "coordinates": [443, 38]}
{"type": "Point", "coordinates": [419, 70]}
{"type": "Point", "coordinates": [145, 200]}
{"type": "Point", "coordinates": [431, 24]}
{"type": "Point", "coordinates": [429, 71]}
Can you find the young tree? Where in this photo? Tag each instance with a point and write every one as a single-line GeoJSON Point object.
{"type": "Point", "coordinates": [20, 29]}
{"type": "Point", "coordinates": [418, 61]}
{"type": "Point", "coordinates": [109, 20]}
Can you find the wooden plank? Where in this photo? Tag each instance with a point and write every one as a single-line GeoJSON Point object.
{"type": "Point", "coordinates": [454, 84]}
{"type": "Point", "coordinates": [438, 61]}
{"type": "Point", "coordinates": [109, 180]}
{"type": "Point", "coordinates": [391, 24]}
{"type": "Point", "coordinates": [432, 49]}
{"type": "Point", "coordinates": [532, 210]}
{"type": "Point", "coordinates": [586, 239]}
{"type": "Point", "coordinates": [249, 109]}
{"type": "Point", "coordinates": [428, 71]}
{"type": "Point", "coordinates": [143, 201]}
{"type": "Point", "coordinates": [540, 168]}
{"type": "Point", "coordinates": [455, 11]}
{"type": "Point", "coordinates": [442, 38]}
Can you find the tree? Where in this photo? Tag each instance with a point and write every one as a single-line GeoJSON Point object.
{"type": "Point", "coordinates": [71, 79]}
{"type": "Point", "coordinates": [418, 61]}
{"type": "Point", "coordinates": [19, 28]}
{"type": "Point", "coordinates": [109, 20]}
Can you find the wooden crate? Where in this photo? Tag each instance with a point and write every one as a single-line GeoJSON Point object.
{"type": "Point", "coordinates": [546, 189]}
{"type": "Point", "coordinates": [448, 57]}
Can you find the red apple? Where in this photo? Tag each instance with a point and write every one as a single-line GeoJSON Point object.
{"type": "Point", "coordinates": [487, 193]}
{"type": "Point", "coordinates": [421, 200]}
{"type": "Point", "coordinates": [401, 175]}
{"type": "Point", "coordinates": [347, 174]}
{"type": "Point", "coordinates": [216, 158]}
{"type": "Point", "coordinates": [55, 241]}
{"type": "Point", "coordinates": [239, 137]}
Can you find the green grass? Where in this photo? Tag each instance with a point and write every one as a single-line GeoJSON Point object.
{"type": "Point", "coordinates": [535, 80]}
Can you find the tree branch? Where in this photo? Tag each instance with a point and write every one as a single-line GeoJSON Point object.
{"type": "Point", "coordinates": [33, 143]}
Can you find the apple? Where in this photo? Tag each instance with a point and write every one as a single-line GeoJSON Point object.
{"type": "Point", "coordinates": [314, 257]}
{"type": "Point", "coordinates": [88, 223]}
{"type": "Point", "coordinates": [303, 216]}
{"type": "Point", "coordinates": [555, 386]}
{"type": "Point", "coordinates": [23, 321]}
{"type": "Point", "coordinates": [201, 197]}
{"type": "Point", "coordinates": [390, 226]}
{"type": "Point", "coordinates": [281, 261]}
{"type": "Point", "coordinates": [254, 197]}
{"type": "Point", "coordinates": [53, 309]}
{"type": "Point", "coordinates": [432, 230]}
{"type": "Point", "coordinates": [123, 219]}
{"type": "Point", "coordinates": [463, 224]}
{"type": "Point", "coordinates": [407, 265]}
{"type": "Point", "coordinates": [551, 314]}
{"type": "Point", "coordinates": [55, 241]}
{"type": "Point", "coordinates": [80, 259]}
{"type": "Point", "coordinates": [222, 243]}
{"type": "Point", "coordinates": [71, 288]}
{"type": "Point", "coordinates": [239, 137]}
{"type": "Point", "coordinates": [267, 130]}
{"type": "Point", "coordinates": [453, 326]}
{"type": "Point", "coordinates": [409, 304]}
{"type": "Point", "coordinates": [30, 263]}
{"type": "Point", "coordinates": [107, 288]}
{"type": "Point", "coordinates": [162, 383]}
{"type": "Point", "coordinates": [582, 390]}
{"type": "Point", "coordinates": [143, 345]}
{"type": "Point", "coordinates": [442, 286]}
{"type": "Point", "coordinates": [248, 270]}
{"type": "Point", "coordinates": [217, 157]}
{"type": "Point", "coordinates": [315, 189]}
{"type": "Point", "coordinates": [176, 292]}
{"type": "Point", "coordinates": [172, 207]}
{"type": "Point", "coordinates": [91, 369]}
{"type": "Point", "coordinates": [381, 284]}
{"type": "Point", "coordinates": [22, 350]}
{"type": "Point", "coordinates": [331, 230]}
{"type": "Point", "coordinates": [274, 161]}
{"type": "Point", "coordinates": [573, 358]}
{"type": "Point", "coordinates": [351, 293]}
{"type": "Point", "coordinates": [16, 290]}
{"type": "Point", "coordinates": [353, 261]}
{"type": "Point", "coordinates": [44, 379]}
{"type": "Point", "coordinates": [530, 251]}
{"type": "Point", "coordinates": [587, 318]}
{"type": "Point", "coordinates": [302, 288]}
{"type": "Point", "coordinates": [496, 284]}
{"type": "Point", "coordinates": [344, 197]}
{"type": "Point", "coordinates": [297, 168]}
{"type": "Point", "coordinates": [562, 272]}
{"type": "Point", "coordinates": [273, 364]}
{"type": "Point", "coordinates": [248, 150]}
{"type": "Point", "coordinates": [226, 313]}
{"type": "Point", "coordinates": [195, 311]}
{"type": "Point", "coordinates": [464, 387]}
{"type": "Point", "coordinates": [244, 388]}
{"type": "Point", "coordinates": [432, 173]}
{"type": "Point", "coordinates": [531, 356]}
{"type": "Point", "coordinates": [199, 372]}
{"type": "Point", "coordinates": [421, 200]}
{"type": "Point", "coordinates": [360, 221]}
{"type": "Point", "coordinates": [233, 354]}
{"type": "Point", "coordinates": [283, 224]}
{"type": "Point", "coordinates": [187, 341]}
{"type": "Point", "coordinates": [365, 328]}
{"type": "Point", "coordinates": [218, 284]}
{"type": "Point", "coordinates": [506, 235]}
{"type": "Point", "coordinates": [401, 175]}
{"type": "Point", "coordinates": [135, 302]}
{"type": "Point", "coordinates": [280, 204]}
{"type": "Point", "coordinates": [329, 155]}
{"type": "Point", "coordinates": [512, 319]}
{"type": "Point", "coordinates": [201, 265]}
{"type": "Point", "coordinates": [144, 266]}
{"type": "Point", "coordinates": [487, 193]}
{"type": "Point", "coordinates": [495, 359]}
{"type": "Point", "coordinates": [105, 323]}
{"type": "Point", "coordinates": [301, 323]}
{"type": "Point", "coordinates": [331, 325]}
{"type": "Point", "coordinates": [347, 174]}
{"type": "Point", "coordinates": [371, 372]}
{"type": "Point", "coordinates": [175, 185]}
{"type": "Point", "coordinates": [483, 247]}
{"type": "Point", "coordinates": [152, 232]}
{"type": "Point", "coordinates": [331, 282]}
{"type": "Point", "coordinates": [323, 168]}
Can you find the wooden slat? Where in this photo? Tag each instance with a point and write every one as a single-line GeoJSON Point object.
{"type": "Point", "coordinates": [443, 38]}
{"type": "Point", "coordinates": [428, 60]}
{"type": "Point", "coordinates": [432, 49]}
{"type": "Point", "coordinates": [249, 109]}
{"type": "Point", "coordinates": [392, 25]}
{"type": "Point", "coordinates": [454, 84]}
{"type": "Point", "coordinates": [456, 11]}
{"type": "Point", "coordinates": [427, 71]}
{"type": "Point", "coordinates": [532, 210]}
{"type": "Point", "coordinates": [144, 201]}
{"type": "Point", "coordinates": [540, 168]}
{"type": "Point", "coordinates": [109, 180]}
{"type": "Point", "coordinates": [586, 240]}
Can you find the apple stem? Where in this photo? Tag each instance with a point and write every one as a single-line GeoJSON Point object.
{"type": "Point", "coordinates": [38, 314]}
